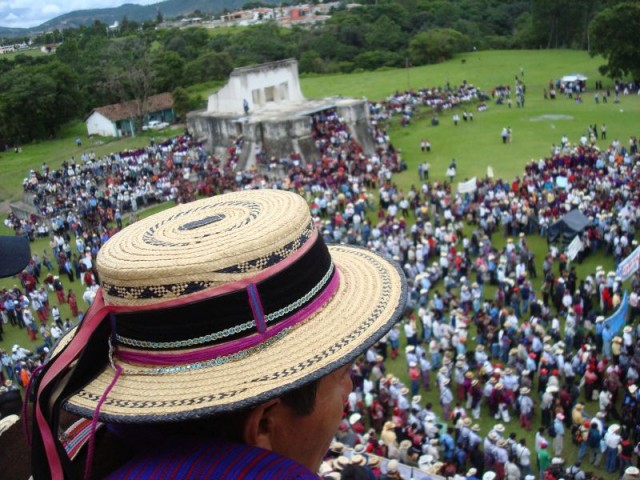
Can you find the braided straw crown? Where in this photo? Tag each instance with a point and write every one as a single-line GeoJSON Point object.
{"type": "Point", "coordinates": [202, 245]}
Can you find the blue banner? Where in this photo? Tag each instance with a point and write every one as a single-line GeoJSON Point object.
{"type": "Point", "coordinates": [629, 265]}
{"type": "Point", "coordinates": [616, 321]}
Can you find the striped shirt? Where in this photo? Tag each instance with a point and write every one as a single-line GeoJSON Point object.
{"type": "Point", "coordinates": [196, 458]}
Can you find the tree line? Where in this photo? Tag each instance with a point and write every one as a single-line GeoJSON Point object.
{"type": "Point", "coordinates": [96, 66]}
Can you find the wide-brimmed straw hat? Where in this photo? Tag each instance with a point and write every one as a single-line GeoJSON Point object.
{"type": "Point", "coordinates": [221, 304]}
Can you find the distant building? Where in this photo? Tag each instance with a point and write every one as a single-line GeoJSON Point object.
{"type": "Point", "coordinates": [263, 105]}
{"type": "Point", "coordinates": [49, 48]}
{"type": "Point", "coordinates": [12, 48]}
{"type": "Point", "coordinates": [118, 120]}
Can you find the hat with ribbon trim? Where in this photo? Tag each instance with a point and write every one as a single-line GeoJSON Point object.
{"type": "Point", "coordinates": [210, 307]}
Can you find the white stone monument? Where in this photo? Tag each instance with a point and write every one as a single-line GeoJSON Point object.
{"type": "Point", "coordinates": [256, 87]}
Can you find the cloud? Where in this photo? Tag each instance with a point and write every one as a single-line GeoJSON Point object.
{"type": "Point", "coordinates": [50, 9]}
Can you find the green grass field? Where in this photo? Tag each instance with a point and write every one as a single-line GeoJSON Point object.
{"type": "Point", "coordinates": [475, 145]}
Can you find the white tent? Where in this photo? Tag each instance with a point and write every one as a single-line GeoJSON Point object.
{"type": "Point", "coordinates": [573, 77]}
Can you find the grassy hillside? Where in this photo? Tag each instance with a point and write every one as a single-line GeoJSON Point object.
{"type": "Point", "coordinates": [478, 145]}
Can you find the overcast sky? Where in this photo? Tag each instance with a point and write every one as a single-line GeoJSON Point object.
{"type": "Point", "coordinates": [30, 13]}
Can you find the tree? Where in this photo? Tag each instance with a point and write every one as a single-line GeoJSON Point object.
{"type": "Point", "coordinates": [436, 45]}
{"type": "Point", "coordinates": [557, 22]}
{"type": "Point", "coordinates": [181, 102]}
{"type": "Point", "coordinates": [311, 62]}
{"type": "Point", "coordinates": [168, 67]}
{"type": "Point", "coordinates": [131, 76]}
{"type": "Point", "coordinates": [385, 34]}
{"type": "Point", "coordinates": [211, 66]}
{"type": "Point", "coordinates": [35, 101]}
{"type": "Point", "coordinates": [613, 34]}
{"type": "Point", "coordinates": [378, 58]}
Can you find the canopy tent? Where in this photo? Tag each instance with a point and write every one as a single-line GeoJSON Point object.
{"type": "Point", "coordinates": [573, 77]}
{"type": "Point", "coordinates": [570, 225]}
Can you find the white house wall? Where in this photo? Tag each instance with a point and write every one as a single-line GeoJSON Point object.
{"type": "Point", "coordinates": [98, 124]}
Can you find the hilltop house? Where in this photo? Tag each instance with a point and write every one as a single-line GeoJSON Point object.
{"type": "Point", "coordinates": [118, 120]}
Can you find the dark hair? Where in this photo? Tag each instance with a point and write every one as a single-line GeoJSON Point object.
{"type": "Point", "coordinates": [228, 426]}
{"type": "Point", "coordinates": [302, 400]}
{"type": "Point", "coordinates": [354, 472]}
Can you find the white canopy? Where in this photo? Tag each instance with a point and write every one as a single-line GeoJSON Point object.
{"type": "Point", "coordinates": [573, 77]}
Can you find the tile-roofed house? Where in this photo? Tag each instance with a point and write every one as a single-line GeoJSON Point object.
{"type": "Point", "coordinates": [119, 119]}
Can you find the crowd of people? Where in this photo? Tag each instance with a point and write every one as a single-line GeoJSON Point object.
{"type": "Point", "coordinates": [535, 359]}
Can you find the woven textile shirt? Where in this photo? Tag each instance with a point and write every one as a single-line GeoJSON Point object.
{"type": "Point", "coordinates": [196, 458]}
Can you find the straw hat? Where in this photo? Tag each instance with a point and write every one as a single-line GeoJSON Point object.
{"type": "Point", "coordinates": [374, 461]}
{"type": "Point", "coordinates": [358, 460]}
{"type": "Point", "coordinates": [425, 461]}
{"type": "Point", "coordinates": [392, 466]}
{"type": "Point", "coordinates": [354, 418]}
{"type": "Point", "coordinates": [340, 462]}
{"type": "Point", "coordinates": [337, 447]}
{"type": "Point", "coordinates": [405, 444]}
{"type": "Point", "coordinates": [207, 318]}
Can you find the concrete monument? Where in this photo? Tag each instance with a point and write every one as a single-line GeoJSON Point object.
{"type": "Point", "coordinates": [264, 105]}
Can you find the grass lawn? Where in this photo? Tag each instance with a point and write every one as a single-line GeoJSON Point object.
{"type": "Point", "coordinates": [30, 52]}
{"type": "Point", "coordinates": [475, 145]}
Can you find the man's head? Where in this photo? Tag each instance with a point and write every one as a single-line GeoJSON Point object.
{"type": "Point", "coordinates": [230, 308]}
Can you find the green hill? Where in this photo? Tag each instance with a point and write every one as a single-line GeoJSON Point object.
{"type": "Point", "coordinates": [138, 13]}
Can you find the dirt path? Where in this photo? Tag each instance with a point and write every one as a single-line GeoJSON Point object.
{"type": "Point", "coordinates": [4, 207]}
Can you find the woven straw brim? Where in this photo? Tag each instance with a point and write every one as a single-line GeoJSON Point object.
{"type": "Point", "coordinates": [369, 300]}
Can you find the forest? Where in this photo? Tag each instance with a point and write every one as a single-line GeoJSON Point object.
{"type": "Point", "coordinates": [95, 66]}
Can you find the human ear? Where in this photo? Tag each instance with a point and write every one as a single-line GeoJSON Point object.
{"type": "Point", "coordinates": [259, 425]}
